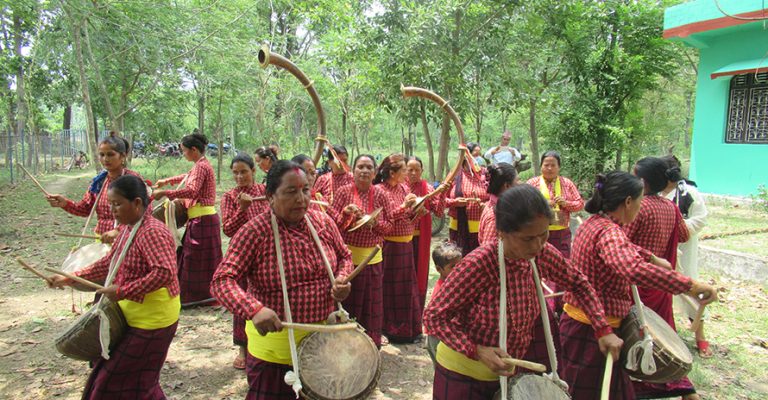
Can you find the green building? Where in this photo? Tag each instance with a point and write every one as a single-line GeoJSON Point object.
{"type": "Point", "coordinates": [730, 129]}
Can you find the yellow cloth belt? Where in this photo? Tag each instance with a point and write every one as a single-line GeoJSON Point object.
{"type": "Point", "coordinates": [454, 361]}
{"type": "Point", "coordinates": [198, 210]}
{"type": "Point", "coordinates": [545, 191]}
{"type": "Point", "coordinates": [416, 232]}
{"type": "Point", "coordinates": [474, 226]}
{"type": "Point", "coordinates": [159, 310]}
{"type": "Point", "coordinates": [360, 253]}
{"type": "Point", "coordinates": [399, 239]}
{"type": "Point", "coordinates": [274, 346]}
{"type": "Point", "coordinates": [579, 315]}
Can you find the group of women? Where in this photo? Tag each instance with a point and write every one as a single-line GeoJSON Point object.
{"type": "Point", "coordinates": [296, 238]}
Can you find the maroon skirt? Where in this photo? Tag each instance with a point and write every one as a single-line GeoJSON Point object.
{"type": "Point", "coordinates": [582, 364]}
{"type": "Point", "coordinates": [467, 242]}
{"type": "Point", "coordinates": [366, 301]}
{"type": "Point", "coordinates": [449, 385]}
{"type": "Point", "coordinates": [133, 368]}
{"type": "Point", "coordinates": [537, 349]}
{"type": "Point", "coordinates": [198, 258]}
{"type": "Point", "coordinates": [561, 239]}
{"type": "Point", "coordinates": [402, 314]}
{"type": "Point", "coordinates": [266, 380]}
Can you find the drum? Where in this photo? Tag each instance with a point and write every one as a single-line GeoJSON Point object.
{"type": "Point", "coordinates": [672, 357]}
{"type": "Point", "coordinates": [532, 387]}
{"type": "Point", "coordinates": [84, 257]}
{"type": "Point", "coordinates": [81, 340]}
{"type": "Point", "coordinates": [178, 208]}
{"type": "Point", "coordinates": [338, 365]}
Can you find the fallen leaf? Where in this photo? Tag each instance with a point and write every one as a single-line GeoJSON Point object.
{"type": "Point", "coordinates": [38, 329]}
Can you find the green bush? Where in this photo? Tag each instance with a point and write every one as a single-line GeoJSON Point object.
{"type": "Point", "coordinates": [761, 198]}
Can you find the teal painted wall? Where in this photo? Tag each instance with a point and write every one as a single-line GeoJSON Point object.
{"type": "Point", "coordinates": [718, 167]}
{"type": "Point", "coordinates": [702, 10]}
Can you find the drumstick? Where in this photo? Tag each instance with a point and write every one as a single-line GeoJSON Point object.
{"type": "Point", "coordinates": [75, 278]}
{"type": "Point", "coordinates": [76, 235]}
{"type": "Point", "coordinates": [551, 295]}
{"type": "Point", "coordinates": [362, 265]}
{"type": "Point", "coordinates": [533, 366]}
{"type": "Point", "coordinates": [33, 179]}
{"type": "Point", "coordinates": [318, 327]}
{"type": "Point", "coordinates": [32, 269]}
{"type": "Point", "coordinates": [606, 389]}
{"type": "Point", "coordinates": [547, 288]}
{"type": "Point", "coordinates": [697, 319]}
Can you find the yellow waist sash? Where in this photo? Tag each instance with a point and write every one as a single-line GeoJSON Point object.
{"type": "Point", "coordinates": [159, 310]}
{"type": "Point", "coordinates": [454, 361]}
{"type": "Point", "coordinates": [474, 226]}
{"type": "Point", "coordinates": [360, 253]}
{"type": "Point", "coordinates": [198, 210]}
{"type": "Point", "coordinates": [399, 239]}
{"type": "Point", "coordinates": [579, 315]}
{"type": "Point", "coordinates": [274, 346]}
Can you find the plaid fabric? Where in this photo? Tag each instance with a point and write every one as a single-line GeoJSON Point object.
{"type": "Point", "coordinates": [199, 256]}
{"type": "Point", "coordinates": [473, 186]}
{"type": "Point", "coordinates": [420, 269]}
{"type": "Point", "coordinates": [654, 224]}
{"type": "Point", "coordinates": [363, 237]}
{"type": "Point", "coordinates": [266, 380]}
{"type": "Point", "coordinates": [677, 388]}
{"type": "Point", "coordinates": [402, 313]}
{"type": "Point", "coordinates": [449, 385]}
{"type": "Point", "coordinates": [465, 312]}
{"type": "Point", "coordinates": [133, 368]}
{"type": "Point", "coordinates": [401, 216]}
{"type": "Point", "coordinates": [612, 263]}
{"type": "Point", "coordinates": [328, 184]}
{"type": "Point", "coordinates": [149, 264]}
{"type": "Point", "coordinates": [366, 301]}
{"type": "Point", "coordinates": [582, 364]}
{"type": "Point", "coordinates": [238, 323]}
{"type": "Point", "coordinates": [467, 242]}
{"type": "Point", "coordinates": [232, 217]}
{"type": "Point", "coordinates": [252, 254]}
{"type": "Point", "coordinates": [487, 231]}
{"type": "Point", "coordinates": [573, 200]}
{"type": "Point", "coordinates": [561, 239]}
{"type": "Point", "coordinates": [105, 219]}
{"type": "Point", "coordinates": [200, 187]}
{"type": "Point", "coordinates": [537, 349]}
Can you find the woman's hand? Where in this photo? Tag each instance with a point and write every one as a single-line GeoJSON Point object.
{"type": "Point", "coordinates": [58, 282]}
{"type": "Point", "coordinates": [109, 236]}
{"type": "Point", "coordinates": [703, 292]}
{"type": "Point", "coordinates": [460, 202]}
{"type": "Point", "coordinates": [352, 209]}
{"type": "Point", "coordinates": [611, 343]}
{"type": "Point", "coordinates": [340, 290]}
{"type": "Point", "coordinates": [156, 194]}
{"type": "Point", "coordinates": [266, 321]}
{"type": "Point", "coordinates": [559, 200]}
{"type": "Point", "coordinates": [56, 200]}
{"type": "Point", "coordinates": [491, 357]}
{"type": "Point", "coordinates": [244, 200]}
{"type": "Point", "coordinates": [109, 292]}
{"type": "Point", "coordinates": [410, 198]}
{"type": "Point", "coordinates": [160, 183]}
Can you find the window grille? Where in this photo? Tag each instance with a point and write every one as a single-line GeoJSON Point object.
{"type": "Point", "coordinates": [748, 109]}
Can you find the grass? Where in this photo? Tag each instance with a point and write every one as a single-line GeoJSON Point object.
{"type": "Point", "coordinates": [726, 217]}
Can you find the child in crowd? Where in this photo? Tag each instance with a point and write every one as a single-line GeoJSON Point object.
{"type": "Point", "coordinates": [445, 256]}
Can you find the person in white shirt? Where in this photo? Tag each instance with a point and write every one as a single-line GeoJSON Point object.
{"type": "Point", "coordinates": [503, 152]}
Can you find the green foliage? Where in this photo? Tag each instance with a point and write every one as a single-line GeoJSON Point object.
{"type": "Point", "coordinates": [761, 198]}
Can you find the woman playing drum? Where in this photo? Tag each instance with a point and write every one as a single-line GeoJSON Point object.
{"type": "Point", "coordinates": [366, 302]}
{"type": "Point", "coordinates": [146, 289]}
{"type": "Point", "coordinates": [465, 204]}
{"type": "Point", "coordinates": [465, 313]}
{"type": "Point", "coordinates": [501, 177]}
{"type": "Point", "coordinates": [311, 296]}
{"type": "Point", "coordinates": [112, 154]}
{"type": "Point", "coordinates": [612, 263]}
{"type": "Point", "coordinates": [201, 246]}
{"type": "Point", "coordinates": [329, 183]}
{"type": "Point", "coordinates": [237, 208]}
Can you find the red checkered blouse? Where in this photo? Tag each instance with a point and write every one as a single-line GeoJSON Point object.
{"type": "Point", "coordinates": [487, 231]}
{"type": "Point", "coordinates": [252, 253]}
{"type": "Point", "coordinates": [149, 264]}
{"type": "Point", "coordinates": [653, 226]}
{"type": "Point", "coordinates": [363, 237]}
{"type": "Point", "coordinates": [573, 200]}
{"type": "Point", "coordinates": [105, 219]}
{"type": "Point", "coordinates": [328, 184]}
{"type": "Point", "coordinates": [465, 312]}
{"type": "Point", "coordinates": [472, 186]}
{"type": "Point", "coordinates": [602, 251]}
{"type": "Point", "coordinates": [200, 187]}
{"type": "Point", "coordinates": [401, 216]}
{"type": "Point", "coordinates": [232, 217]}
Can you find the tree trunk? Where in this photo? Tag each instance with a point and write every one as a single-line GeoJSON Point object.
{"type": "Point", "coordinates": [67, 118]}
{"type": "Point", "coordinates": [21, 98]}
{"type": "Point", "coordinates": [534, 136]}
{"type": "Point", "coordinates": [427, 140]}
{"type": "Point", "coordinates": [445, 129]}
{"type": "Point", "coordinates": [343, 125]}
{"type": "Point", "coordinates": [91, 130]}
{"type": "Point", "coordinates": [99, 80]}
{"type": "Point", "coordinates": [687, 135]}
{"type": "Point", "coordinates": [201, 114]}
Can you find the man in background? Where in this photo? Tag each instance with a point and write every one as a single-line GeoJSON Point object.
{"type": "Point", "coordinates": [503, 152]}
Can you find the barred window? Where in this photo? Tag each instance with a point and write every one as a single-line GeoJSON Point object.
{"type": "Point", "coordinates": [748, 109]}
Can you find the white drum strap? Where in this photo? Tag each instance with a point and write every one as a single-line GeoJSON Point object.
{"type": "Point", "coordinates": [342, 313]}
{"type": "Point", "coordinates": [503, 313]}
{"type": "Point", "coordinates": [115, 263]}
{"type": "Point", "coordinates": [170, 220]}
{"type": "Point", "coordinates": [547, 329]}
{"type": "Point", "coordinates": [640, 355]}
{"type": "Point", "coordinates": [291, 377]}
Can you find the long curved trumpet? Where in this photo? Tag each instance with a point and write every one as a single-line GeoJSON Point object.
{"type": "Point", "coordinates": [411, 91]}
{"type": "Point", "coordinates": [266, 57]}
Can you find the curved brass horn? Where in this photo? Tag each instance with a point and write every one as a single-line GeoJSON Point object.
{"type": "Point", "coordinates": [411, 91]}
{"type": "Point", "coordinates": [266, 57]}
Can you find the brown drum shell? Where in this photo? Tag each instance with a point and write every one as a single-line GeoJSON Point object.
{"type": "Point", "coordinates": [668, 366]}
{"type": "Point", "coordinates": [340, 345]}
{"type": "Point", "coordinates": [180, 211]}
{"type": "Point", "coordinates": [81, 340]}
{"type": "Point", "coordinates": [532, 387]}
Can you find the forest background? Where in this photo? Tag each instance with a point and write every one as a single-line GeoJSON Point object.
{"type": "Point", "coordinates": [592, 79]}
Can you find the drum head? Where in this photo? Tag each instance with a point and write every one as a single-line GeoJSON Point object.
{"type": "Point", "coordinates": [339, 365]}
{"type": "Point", "coordinates": [666, 337]}
{"type": "Point", "coordinates": [532, 387]}
{"type": "Point", "coordinates": [84, 257]}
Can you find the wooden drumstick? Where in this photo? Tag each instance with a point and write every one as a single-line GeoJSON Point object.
{"type": "Point", "coordinates": [318, 327]}
{"type": "Point", "coordinates": [76, 235]}
{"type": "Point", "coordinates": [32, 269]}
{"type": "Point", "coordinates": [75, 278]}
{"type": "Point", "coordinates": [533, 366]}
{"type": "Point", "coordinates": [362, 265]}
{"type": "Point", "coordinates": [33, 179]}
{"type": "Point", "coordinates": [605, 391]}
{"type": "Point", "coordinates": [551, 295]}
{"type": "Point", "coordinates": [697, 319]}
